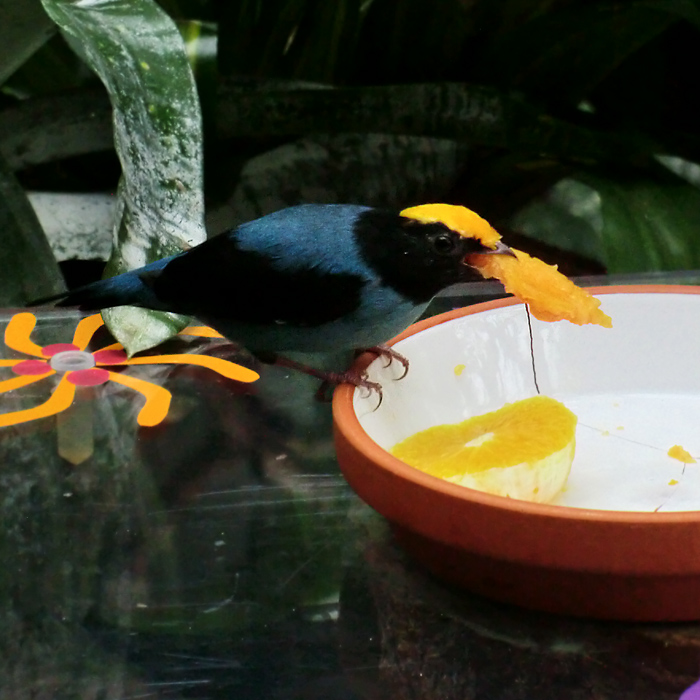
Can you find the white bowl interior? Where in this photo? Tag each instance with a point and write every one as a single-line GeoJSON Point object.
{"type": "Point", "coordinates": [635, 389]}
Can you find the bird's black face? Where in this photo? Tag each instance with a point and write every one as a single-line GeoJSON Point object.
{"type": "Point", "coordinates": [417, 259]}
{"type": "Point", "coordinates": [444, 244]}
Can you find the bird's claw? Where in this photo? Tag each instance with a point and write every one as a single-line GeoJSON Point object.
{"type": "Point", "coordinates": [390, 354]}
{"type": "Point", "coordinates": [356, 379]}
{"type": "Point", "coordinates": [329, 379]}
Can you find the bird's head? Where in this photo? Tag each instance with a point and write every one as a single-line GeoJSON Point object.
{"type": "Point", "coordinates": [462, 221]}
{"type": "Point", "coordinates": [427, 248]}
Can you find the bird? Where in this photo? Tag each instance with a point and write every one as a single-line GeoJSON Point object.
{"type": "Point", "coordinates": [309, 278]}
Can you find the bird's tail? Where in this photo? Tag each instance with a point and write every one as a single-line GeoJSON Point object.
{"type": "Point", "coordinates": [132, 288]}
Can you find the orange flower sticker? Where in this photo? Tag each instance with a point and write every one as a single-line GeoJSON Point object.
{"type": "Point", "coordinates": [80, 367]}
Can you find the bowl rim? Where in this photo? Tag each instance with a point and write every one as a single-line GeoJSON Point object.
{"type": "Point", "coordinates": [346, 422]}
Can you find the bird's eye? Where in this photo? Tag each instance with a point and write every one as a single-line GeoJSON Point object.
{"type": "Point", "coordinates": [444, 244]}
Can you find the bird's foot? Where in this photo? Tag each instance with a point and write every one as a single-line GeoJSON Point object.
{"type": "Point", "coordinates": [329, 379]}
{"type": "Point", "coordinates": [391, 355]}
{"type": "Point", "coordinates": [353, 377]}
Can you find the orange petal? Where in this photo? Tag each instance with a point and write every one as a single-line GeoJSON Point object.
{"type": "Point", "coordinates": [113, 346]}
{"type": "Point", "coordinates": [223, 367]}
{"type": "Point", "coordinates": [60, 400]}
{"type": "Point", "coordinates": [157, 398]}
{"type": "Point", "coordinates": [11, 363]}
{"type": "Point", "coordinates": [18, 331]}
{"type": "Point", "coordinates": [201, 331]}
{"type": "Point", "coordinates": [17, 382]}
{"type": "Point", "coordinates": [86, 329]}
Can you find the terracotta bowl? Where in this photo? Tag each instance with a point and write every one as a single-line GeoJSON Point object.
{"type": "Point", "coordinates": [623, 540]}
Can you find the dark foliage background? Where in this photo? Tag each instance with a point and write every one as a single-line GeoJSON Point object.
{"type": "Point", "coordinates": [572, 125]}
{"type": "Point", "coordinates": [569, 122]}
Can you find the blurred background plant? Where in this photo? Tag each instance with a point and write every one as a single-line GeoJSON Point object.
{"type": "Point", "coordinates": [568, 122]}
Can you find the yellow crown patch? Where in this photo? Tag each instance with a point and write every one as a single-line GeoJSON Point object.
{"type": "Point", "coordinates": [460, 219]}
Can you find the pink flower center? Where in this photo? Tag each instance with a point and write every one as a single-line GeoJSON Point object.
{"type": "Point", "coordinates": [110, 357]}
{"type": "Point", "coordinates": [77, 365]}
{"type": "Point", "coordinates": [33, 367]}
{"type": "Point", "coordinates": [88, 377]}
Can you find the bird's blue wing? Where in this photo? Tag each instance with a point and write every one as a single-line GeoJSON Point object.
{"type": "Point", "coordinates": [298, 269]}
{"type": "Point", "coordinates": [320, 236]}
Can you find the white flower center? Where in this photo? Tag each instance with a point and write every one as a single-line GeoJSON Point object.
{"type": "Point", "coordinates": [71, 361]}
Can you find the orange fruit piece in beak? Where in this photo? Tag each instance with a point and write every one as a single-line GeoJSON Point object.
{"type": "Point", "coordinates": [550, 295]}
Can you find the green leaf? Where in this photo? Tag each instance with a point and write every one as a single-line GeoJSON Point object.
{"type": "Point", "coordinates": [138, 53]}
{"type": "Point", "coordinates": [639, 222]}
{"type": "Point", "coordinates": [567, 216]}
{"type": "Point", "coordinates": [24, 27]}
{"type": "Point", "coordinates": [649, 222]}
{"type": "Point", "coordinates": [28, 268]}
{"type": "Point", "coordinates": [201, 45]}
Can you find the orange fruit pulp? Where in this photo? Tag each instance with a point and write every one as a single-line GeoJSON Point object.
{"type": "Point", "coordinates": [551, 295]}
{"type": "Point", "coordinates": [523, 450]}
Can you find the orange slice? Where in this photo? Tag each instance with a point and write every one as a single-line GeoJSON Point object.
{"type": "Point", "coordinates": [523, 450]}
{"type": "Point", "coordinates": [551, 295]}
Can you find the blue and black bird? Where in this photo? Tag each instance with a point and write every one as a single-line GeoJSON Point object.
{"type": "Point", "coordinates": [310, 278]}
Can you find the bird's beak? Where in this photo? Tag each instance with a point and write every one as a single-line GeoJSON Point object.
{"type": "Point", "coordinates": [500, 249]}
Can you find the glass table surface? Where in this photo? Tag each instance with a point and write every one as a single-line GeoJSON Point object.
{"type": "Point", "coordinates": [182, 534]}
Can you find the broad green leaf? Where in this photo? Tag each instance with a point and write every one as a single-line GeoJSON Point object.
{"type": "Point", "coordinates": [28, 269]}
{"type": "Point", "coordinates": [24, 27]}
{"type": "Point", "coordinates": [631, 223]}
{"type": "Point", "coordinates": [201, 45]}
{"type": "Point", "coordinates": [649, 222]}
{"type": "Point", "coordinates": [138, 53]}
{"type": "Point", "coordinates": [568, 217]}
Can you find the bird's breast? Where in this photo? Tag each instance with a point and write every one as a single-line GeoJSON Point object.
{"type": "Point", "coordinates": [380, 315]}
